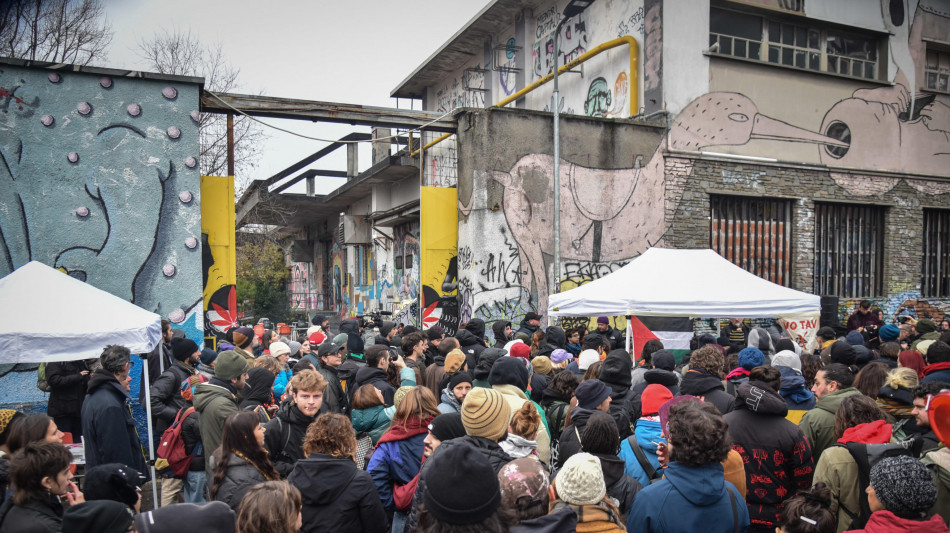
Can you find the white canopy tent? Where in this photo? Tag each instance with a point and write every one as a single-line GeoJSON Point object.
{"type": "Point", "coordinates": [692, 283]}
{"type": "Point", "coordinates": [48, 316]}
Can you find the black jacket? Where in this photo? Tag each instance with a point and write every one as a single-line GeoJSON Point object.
{"type": "Point", "coordinates": [284, 435]}
{"type": "Point", "coordinates": [554, 339]}
{"type": "Point", "coordinates": [564, 520]}
{"type": "Point", "coordinates": [710, 388]}
{"type": "Point", "coordinates": [615, 337]}
{"type": "Point", "coordinates": [108, 428]}
{"type": "Point", "coordinates": [67, 388]}
{"type": "Point", "coordinates": [377, 378]}
{"type": "Point", "coordinates": [471, 345]}
{"type": "Point", "coordinates": [498, 328]}
{"type": "Point", "coordinates": [354, 342]}
{"type": "Point", "coordinates": [526, 328]}
{"type": "Point", "coordinates": [165, 395]}
{"type": "Point", "coordinates": [620, 486]}
{"type": "Point", "coordinates": [337, 497]}
{"type": "Point", "coordinates": [569, 443]}
{"type": "Point", "coordinates": [35, 516]}
{"type": "Point", "coordinates": [333, 396]}
{"type": "Point", "coordinates": [192, 437]}
{"type": "Point", "coordinates": [159, 360]}
{"type": "Point", "coordinates": [240, 476]}
{"type": "Point", "coordinates": [259, 389]}
{"type": "Point", "coordinates": [657, 376]}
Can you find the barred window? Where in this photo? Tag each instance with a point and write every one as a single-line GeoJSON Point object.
{"type": "Point", "coordinates": [849, 250]}
{"type": "Point", "coordinates": [937, 70]}
{"type": "Point", "coordinates": [754, 233]}
{"type": "Point", "coordinates": [935, 267]}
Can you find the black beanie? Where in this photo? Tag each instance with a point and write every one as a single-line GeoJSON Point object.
{"type": "Point", "coordinates": [409, 329]}
{"type": "Point", "coordinates": [461, 486]}
{"type": "Point", "coordinates": [509, 371]}
{"type": "Point", "coordinates": [210, 517]}
{"type": "Point", "coordinates": [617, 368]}
{"type": "Point", "coordinates": [459, 377]}
{"type": "Point", "coordinates": [98, 516]}
{"type": "Point", "coordinates": [183, 349]}
{"type": "Point", "coordinates": [447, 426]}
{"type": "Point", "coordinates": [842, 352]}
{"type": "Point", "coordinates": [112, 481]}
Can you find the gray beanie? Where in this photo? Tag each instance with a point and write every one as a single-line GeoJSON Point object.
{"type": "Point", "coordinates": [904, 486]}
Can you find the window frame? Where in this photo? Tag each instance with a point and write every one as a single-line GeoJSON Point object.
{"type": "Point", "coordinates": [935, 255]}
{"type": "Point", "coordinates": [939, 50]}
{"type": "Point", "coordinates": [837, 242]}
{"type": "Point", "coordinates": [764, 245]}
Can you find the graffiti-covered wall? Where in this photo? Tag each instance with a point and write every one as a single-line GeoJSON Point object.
{"type": "Point", "coordinates": [612, 199]}
{"type": "Point", "coordinates": [218, 256]}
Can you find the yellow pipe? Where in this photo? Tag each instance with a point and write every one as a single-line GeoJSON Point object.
{"type": "Point", "coordinates": [431, 144]}
{"type": "Point", "coordinates": [632, 75]}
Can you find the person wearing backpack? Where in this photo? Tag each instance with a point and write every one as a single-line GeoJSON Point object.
{"type": "Point", "coordinates": [858, 420]}
{"type": "Point", "coordinates": [639, 450]}
{"type": "Point", "coordinates": [285, 432]}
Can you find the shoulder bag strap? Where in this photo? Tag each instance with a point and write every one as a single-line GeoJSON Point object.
{"type": "Point", "coordinates": [642, 458]}
{"type": "Point", "coordinates": [735, 511]}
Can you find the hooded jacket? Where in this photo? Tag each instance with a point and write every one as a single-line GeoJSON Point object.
{"type": "Point", "coordinates": [498, 329]}
{"type": "Point", "coordinates": [689, 498]}
{"type": "Point", "coordinates": [108, 428]}
{"type": "Point", "coordinates": [555, 407]}
{"type": "Point", "coordinates": [778, 460]}
{"type": "Point", "coordinates": [333, 396]}
{"type": "Point", "coordinates": [165, 397]}
{"type": "Point", "coordinates": [374, 421]}
{"type": "Point", "coordinates": [44, 515]}
{"type": "Point", "coordinates": [938, 461]}
{"type": "Point", "coordinates": [258, 390]}
{"type": "Point", "coordinates": [516, 398]}
{"type": "Point", "coordinates": [646, 434]}
{"type": "Point", "coordinates": [562, 520]}
{"type": "Point", "coordinates": [397, 459]}
{"type": "Point", "coordinates": [887, 522]}
{"type": "Point", "coordinates": [798, 398]}
{"type": "Point", "coordinates": [238, 478]}
{"type": "Point", "coordinates": [703, 385]}
{"type": "Point", "coordinates": [354, 342]}
{"type": "Point", "coordinates": [818, 424]}
{"type": "Point", "coordinates": [377, 378]}
{"type": "Point", "coordinates": [283, 437]}
{"type": "Point", "coordinates": [337, 496]}
{"type": "Point", "coordinates": [214, 403]}
{"type": "Point", "coordinates": [527, 328]}
{"type": "Point", "coordinates": [554, 338]}
{"type": "Point", "coordinates": [471, 341]}
{"type": "Point", "coordinates": [620, 486]}
{"type": "Point", "coordinates": [485, 363]}
{"type": "Point", "coordinates": [837, 469]}
{"type": "Point", "coordinates": [570, 443]}
{"type": "Point", "coordinates": [658, 376]}
{"type": "Point", "coordinates": [67, 388]}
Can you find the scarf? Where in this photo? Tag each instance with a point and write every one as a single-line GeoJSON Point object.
{"type": "Point", "coordinates": [799, 395]}
{"type": "Point", "coordinates": [411, 428]}
{"type": "Point", "coordinates": [738, 372]}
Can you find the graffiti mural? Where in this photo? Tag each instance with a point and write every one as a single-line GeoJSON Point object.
{"type": "Point", "coordinates": [218, 256]}
{"type": "Point", "coordinates": [572, 41]}
{"type": "Point", "coordinates": [507, 74]}
{"type": "Point", "coordinates": [303, 293]}
{"type": "Point", "coordinates": [406, 260]}
{"type": "Point", "coordinates": [439, 274]}
{"type": "Point", "coordinates": [100, 179]}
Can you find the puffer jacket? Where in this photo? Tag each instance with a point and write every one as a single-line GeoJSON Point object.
{"type": "Point", "coordinates": [798, 398]}
{"type": "Point", "coordinates": [621, 487]}
{"type": "Point", "coordinates": [397, 459]}
{"type": "Point", "coordinates": [818, 424]}
{"type": "Point", "coordinates": [938, 462]}
{"type": "Point", "coordinates": [108, 428]}
{"type": "Point", "coordinates": [647, 433]}
{"type": "Point", "coordinates": [165, 395]}
{"type": "Point", "coordinates": [471, 345]}
{"type": "Point", "coordinates": [837, 469]}
{"type": "Point", "coordinates": [43, 515]}
{"type": "Point", "coordinates": [374, 421]}
{"type": "Point", "coordinates": [67, 388]}
{"type": "Point", "coordinates": [337, 497]}
{"type": "Point", "coordinates": [614, 336]}
{"type": "Point", "coordinates": [498, 329]}
{"type": "Point", "coordinates": [708, 387]}
{"type": "Point", "coordinates": [240, 476]}
{"type": "Point", "coordinates": [283, 437]}
{"type": "Point", "coordinates": [450, 404]}
{"type": "Point", "coordinates": [778, 460]}
{"type": "Point", "coordinates": [214, 401]}
{"type": "Point", "coordinates": [689, 498]}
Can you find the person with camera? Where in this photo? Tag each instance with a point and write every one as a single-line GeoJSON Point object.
{"type": "Point", "coordinates": [378, 359]}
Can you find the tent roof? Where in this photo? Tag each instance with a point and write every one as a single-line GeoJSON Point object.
{"type": "Point", "coordinates": [694, 283]}
{"type": "Point", "coordinates": [49, 316]}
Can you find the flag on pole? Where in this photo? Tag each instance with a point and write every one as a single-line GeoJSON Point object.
{"type": "Point", "coordinates": [674, 332]}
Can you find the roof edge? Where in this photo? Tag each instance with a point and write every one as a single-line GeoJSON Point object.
{"type": "Point", "coordinates": [119, 73]}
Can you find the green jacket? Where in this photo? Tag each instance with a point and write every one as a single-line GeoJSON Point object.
{"type": "Point", "coordinates": [818, 424]}
{"type": "Point", "coordinates": [214, 403]}
{"type": "Point", "coordinates": [938, 461]}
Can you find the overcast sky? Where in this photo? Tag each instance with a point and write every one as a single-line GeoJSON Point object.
{"type": "Point", "coordinates": [354, 51]}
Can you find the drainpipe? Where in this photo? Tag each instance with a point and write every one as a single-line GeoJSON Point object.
{"type": "Point", "coordinates": [557, 165]}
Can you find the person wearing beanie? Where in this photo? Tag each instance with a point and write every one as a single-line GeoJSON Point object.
{"type": "Point", "coordinates": [7, 416]}
{"type": "Point", "coordinates": [281, 351]}
{"type": "Point", "coordinates": [520, 350]}
{"type": "Point", "coordinates": [101, 516]}
{"type": "Point", "coordinates": [108, 427]}
{"type": "Point", "coordinates": [855, 338]}
{"type": "Point", "coordinates": [585, 359]}
{"type": "Point", "coordinates": [843, 353]}
{"type": "Point", "coordinates": [580, 485]}
{"type": "Point", "coordinates": [115, 482]}
{"type": "Point", "coordinates": [749, 358]}
{"type": "Point", "coordinates": [460, 384]}
{"type": "Point", "coordinates": [889, 333]}
{"type": "Point", "coordinates": [211, 517]}
{"type": "Point", "coordinates": [434, 336]}
{"type": "Point", "coordinates": [833, 383]}
{"type": "Point", "coordinates": [446, 426]}
{"type": "Point", "coordinates": [206, 366]}
{"type": "Point", "coordinates": [461, 490]}
{"type": "Point", "coordinates": [592, 395]}
{"type": "Point", "coordinates": [926, 331]}
{"type": "Point", "coordinates": [647, 436]}
{"type": "Point", "coordinates": [612, 335]}
{"type": "Point", "coordinates": [797, 396]}
{"type": "Point", "coordinates": [510, 378]}
{"type": "Point", "coordinates": [524, 486]}
{"type": "Point", "coordinates": [218, 398]}
{"type": "Point", "coordinates": [778, 459]}
{"type": "Point", "coordinates": [900, 494]}
{"type": "Point", "coordinates": [543, 365]}
{"type": "Point", "coordinates": [694, 494]}
{"type": "Point", "coordinates": [165, 396]}
{"type": "Point", "coordinates": [243, 337]}
{"type": "Point", "coordinates": [455, 361]}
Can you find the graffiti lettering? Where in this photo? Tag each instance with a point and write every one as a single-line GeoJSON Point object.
{"type": "Point", "coordinates": [459, 93]}
{"type": "Point", "coordinates": [590, 271]}
{"type": "Point", "coordinates": [634, 24]}
{"type": "Point", "coordinates": [466, 258]}
{"type": "Point", "coordinates": [742, 178]}
{"type": "Point", "coordinates": [444, 167]}
{"type": "Point", "coordinates": [501, 269]}
{"type": "Point", "coordinates": [547, 21]}
{"type": "Point", "coordinates": [572, 42]}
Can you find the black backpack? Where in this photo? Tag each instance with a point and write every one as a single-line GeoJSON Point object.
{"type": "Point", "coordinates": [866, 456]}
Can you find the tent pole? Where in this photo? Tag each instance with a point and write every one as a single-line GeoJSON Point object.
{"type": "Point", "coordinates": [630, 339]}
{"type": "Point", "coordinates": [148, 424]}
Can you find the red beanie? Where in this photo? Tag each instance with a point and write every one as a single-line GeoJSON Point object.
{"type": "Point", "coordinates": [520, 349]}
{"type": "Point", "coordinates": [653, 397]}
{"type": "Point", "coordinates": [316, 338]}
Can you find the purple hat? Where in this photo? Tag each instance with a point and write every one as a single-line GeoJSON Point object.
{"type": "Point", "coordinates": [560, 355]}
{"type": "Point", "coordinates": [603, 320]}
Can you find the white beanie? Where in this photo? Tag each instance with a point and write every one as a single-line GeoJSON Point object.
{"type": "Point", "coordinates": [581, 480]}
{"type": "Point", "coordinates": [789, 359]}
{"type": "Point", "coordinates": [279, 348]}
{"type": "Point", "coordinates": [587, 358]}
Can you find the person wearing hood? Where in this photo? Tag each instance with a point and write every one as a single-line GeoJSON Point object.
{"type": "Point", "coordinates": [542, 370]}
{"type": "Point", "coordinates": [354, 341]}
{"type": "Point", "coordinates": [285, 432]}
{"type": "Point", "coordinates": [647, 436]}
{"type": "Point", "coordinates": [704, 379]}
{"type": "Point", "coordinates": [615, 373]}
{"type": "Point", "coordinates": [108, 428]}
{"type": "Point", "coordinates": [760, 338]}
{"type": "Point", "coordinates": [434, 336]}
{"type": "Point", "coordinates": [693, 494]}
{"type": "Point", "coordinates": [778, 460]}
{"type": "Point", "coordinates": [529, 324]}
{"type": "Point", "coordinates": [218, 399]}
{"type": "Point", "coordinates": [749, 358]}
{"type": "Point", "coordinates": [612, 335]}
{"type": "Point", "coordinates": [591, 395]}
{"type": "Point", "coordinates": [472, 340]}
{"type": "Point", "coordinates": [645, 362]}
{"type": "Point", "coordinates": [484, 366]}
{"type": "Point", "coordinates": [524, 485]}
{"type": "Point", "coordinates": [797, 396]}
{"type": "Point", "coordinates": [601, 440]}
{"type": "Point", "coordinates": [502, 331]}
{"type": "Point", "coordinates": [509, 377]}
{"type": "Point", "coordinates": [662, 373]}
{"type": "Point", "coordinates": [460, 384]}
{"type": "Point", "coordinates": [900, 493]}
{"type": "Point", "coordinates": [258, 390]}
{"type": "Point", "coordinates": [858, 419]}
{"type": "Point", "coordinates": [832, 385]}
{"type": "Point", "coordinates": [378, 359]}
{"type": "Point", "coordinates": [554, 339]}
{"type": "Point", "coordinates": [282, 352]}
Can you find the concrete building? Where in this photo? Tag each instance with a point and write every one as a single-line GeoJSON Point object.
{"type": "Point", "coordinates": [807, 141]}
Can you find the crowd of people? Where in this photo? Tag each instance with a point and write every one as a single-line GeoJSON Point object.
{"type": "Point", "coordinates": [388, 428]}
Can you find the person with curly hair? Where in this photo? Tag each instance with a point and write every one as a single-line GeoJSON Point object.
{"type": "Point", "coordinates": [271, 507]}
{"type": "Point", "coordinates": [693, 495]}
{"type": "Point", "coordinates": [704, 378]}
{"type": "Point", "coordinates": [337, 496]}
{"type": "Point", "coordinates": [241, 462]}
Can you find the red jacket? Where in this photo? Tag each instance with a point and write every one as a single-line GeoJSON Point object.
{"type": "Point", "coordinates": [888, 522]}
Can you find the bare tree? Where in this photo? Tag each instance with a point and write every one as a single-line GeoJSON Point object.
{"type": "Point", "coordinates": [59, 31]}
{"type": "Point", "coordinates": [182, 54]}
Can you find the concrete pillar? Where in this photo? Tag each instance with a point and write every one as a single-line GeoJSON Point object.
{"type": "Point", "coordinates": [352, 161]}
{"type": "Point", "coordinates": [381, 147]}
